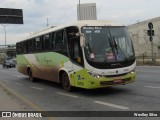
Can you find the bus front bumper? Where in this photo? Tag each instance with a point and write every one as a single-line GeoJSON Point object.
{"type": "Point", "coordinates": [88, 81]}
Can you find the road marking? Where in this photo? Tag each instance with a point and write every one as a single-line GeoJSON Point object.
{"type": "Point", "coordinates": [6, 81]}
{"type": "Point", "coordinates": [24, 99]}
{"type": "Point", "coordinates": [112, 105]}
{"type": "Point", "coordinates": [18, 76]}
{"type": "Point", "coordinates": [19, 84]}
{"type": "Point", "coordinates": [4, 71]}
{"type": "Point", "coordinates": [65, 94]}
{"type": "Point", "coordinates": [153, 87]}
{"type": "Point", "coordinates": [37, 88]}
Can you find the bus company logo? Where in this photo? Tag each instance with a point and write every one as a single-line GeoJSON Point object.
{"type": "Point", "coordinates": [6, 114]}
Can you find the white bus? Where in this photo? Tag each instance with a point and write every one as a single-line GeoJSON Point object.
{"type": "Point", "coordinates": [87, 54]}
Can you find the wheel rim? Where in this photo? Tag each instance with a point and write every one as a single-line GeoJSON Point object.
{"type": "Point", "coordinates": [65, 82]}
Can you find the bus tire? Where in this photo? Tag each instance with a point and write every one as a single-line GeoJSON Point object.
{"type": "Point", "coordinates": [65, 82]}
{"type": "Point", "coordinates": [31, 78]}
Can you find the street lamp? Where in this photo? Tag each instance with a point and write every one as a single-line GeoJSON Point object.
{"type": "Point", "coordinates": [4, 32]}
{"type": "Point", "coordinates": [47, 22]}
{"type": "Point", "coordinates": [79, 10]}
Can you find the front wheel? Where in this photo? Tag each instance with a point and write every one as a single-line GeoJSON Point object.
{"type": "Point", "coordinates": [66, 83]}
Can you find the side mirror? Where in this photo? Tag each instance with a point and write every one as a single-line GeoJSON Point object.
{"type": "Point", "coordinates": [82, 39]}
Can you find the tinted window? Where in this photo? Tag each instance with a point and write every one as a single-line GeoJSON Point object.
{"type": "Point", "coordinates": [25, 47]}
{"type": "Point", "coordinates": [19, 48]}
{"type": "Point", "coordinates": [60, 42]}
{"type": "Point", "coordinates": [38, 44]}
{"type": "Point", "coordinates": [46, 42]}
{"type": "Point", "coordinates": [30, 46]}
{"type": "Point", "coordinates": [52, 41]}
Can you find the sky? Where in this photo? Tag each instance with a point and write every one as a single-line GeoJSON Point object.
{"type": "Point", "coordinates": [36, 13]}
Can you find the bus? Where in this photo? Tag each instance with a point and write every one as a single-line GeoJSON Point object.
{"type": "Point", "coordinates": [86, 54]}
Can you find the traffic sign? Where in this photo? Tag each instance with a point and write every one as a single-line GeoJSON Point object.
{"type": "Point", "coordinates": [11, 16]}
{"type": "Point", "coordinates": [150, 25]}
{"type": "Point", "coordinates": [150, 32]}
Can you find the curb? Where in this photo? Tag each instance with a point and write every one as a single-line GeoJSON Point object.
{"type": "Point", "coordinates": [26, 101]}
{"type": "Point", "coordinates": [23, 99]}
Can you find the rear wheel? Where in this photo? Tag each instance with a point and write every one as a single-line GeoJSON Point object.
{"type": "Point", "coordinates": [31, 78]}
{"type": "Point", "coordinates": [65, 82]}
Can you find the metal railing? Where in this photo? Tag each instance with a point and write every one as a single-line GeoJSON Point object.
{"type": "Point", "coordinates": [146, 59]}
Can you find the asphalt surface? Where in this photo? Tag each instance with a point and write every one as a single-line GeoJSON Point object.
{"type": "Point", "coordinates": [143, 95]}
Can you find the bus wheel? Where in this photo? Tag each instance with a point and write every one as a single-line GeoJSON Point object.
{"type": "Point", "coordinates": [31, 78]}
{"type": "Point", "coordinates": [66, 82]}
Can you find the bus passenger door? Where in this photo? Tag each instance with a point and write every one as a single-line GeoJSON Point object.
{"type": "Point", "coordinates": [75, 53]}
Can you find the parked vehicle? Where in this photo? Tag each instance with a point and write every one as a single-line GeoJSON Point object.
{"type": "Point", "coordinates": [8, 64]}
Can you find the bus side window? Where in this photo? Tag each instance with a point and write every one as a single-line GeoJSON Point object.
{"type": "Point", "coordinates": [30, 46]}
{"type": "Point", "coordinates": [25, 46]}
{"type": "Point", "coordinates": [19, 48]}
{"type": "Point", "coordinates": [52, 41]}
{"type": "Point", "coordinates": [46, 42]}
{"type": "Point", "coordinates": [59, 41]}
{"type": "Point", "coordinates": [64, 40]}
{"type": "Point", "coordinates": [33, 45]}
{"type": "Point", "coordinates": [38, 44]}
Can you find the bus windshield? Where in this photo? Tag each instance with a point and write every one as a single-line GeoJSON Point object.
{"type": "Point", "coordinates": [107, 44]}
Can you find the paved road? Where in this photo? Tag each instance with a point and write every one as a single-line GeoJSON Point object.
{"type": "Point", "coordinates": [143, 95]}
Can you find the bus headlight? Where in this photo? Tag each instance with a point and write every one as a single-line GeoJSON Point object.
{"type": "Point", "coordinates": [132, 72]}
{"type": "Point", "coordinates": [95, 75]}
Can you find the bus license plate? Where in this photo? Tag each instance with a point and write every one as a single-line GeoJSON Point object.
{"type": "Point", "coordinates": [118, 81]}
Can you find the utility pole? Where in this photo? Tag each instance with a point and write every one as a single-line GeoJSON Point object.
{"type": "Point", "coordinates": [47, 22]}
{"type": "Point", "coordinates": [79, 10]}
{"type": "Point", "coordinates": [5, 34]}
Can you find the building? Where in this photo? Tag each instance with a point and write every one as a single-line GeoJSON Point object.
{"type": "Point", "coordinates": [87, 11]}
{"type": "Point", "coordinates": [141, 42]}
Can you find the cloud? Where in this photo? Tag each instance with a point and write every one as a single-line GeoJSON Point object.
{"type": "Point", "coordinates": [36, 13]}
{"type": "Point", "coordinates": [10, 40]}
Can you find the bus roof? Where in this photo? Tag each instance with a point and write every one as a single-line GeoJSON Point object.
{"type": "Point", "coordinates": [79, 24]}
